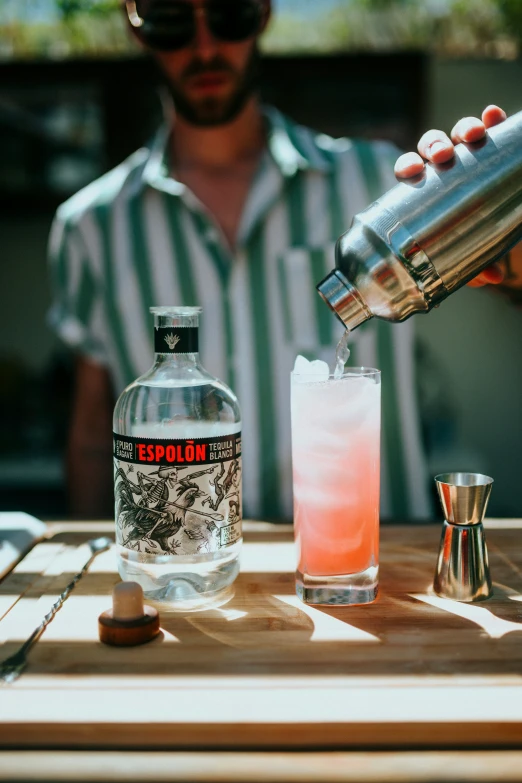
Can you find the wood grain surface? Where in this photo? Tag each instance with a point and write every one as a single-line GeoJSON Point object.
{"type": "Point", "coordinates": [264, 670]}
{"type": "Point", "coordinates": [261, 767]}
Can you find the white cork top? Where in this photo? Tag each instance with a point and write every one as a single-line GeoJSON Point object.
{"type": "Point", "coordinates": [127, 601]}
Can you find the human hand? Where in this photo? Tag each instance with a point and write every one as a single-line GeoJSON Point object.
{"type": "Point", "coordinates": [436, 147]}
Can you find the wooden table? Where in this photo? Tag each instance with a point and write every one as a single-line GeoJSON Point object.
{"type": "Point", "coordinates": [411, 677]}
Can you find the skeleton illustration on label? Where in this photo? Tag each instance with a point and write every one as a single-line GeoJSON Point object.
{"type": "Point", "coordinates": [179, 497]}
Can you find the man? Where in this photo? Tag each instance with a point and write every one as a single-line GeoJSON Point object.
{"type": "Point", "coordinates": [236, 209]}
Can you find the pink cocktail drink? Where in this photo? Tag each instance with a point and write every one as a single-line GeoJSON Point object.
{"type": "Point", "coordinates": [336, 456]}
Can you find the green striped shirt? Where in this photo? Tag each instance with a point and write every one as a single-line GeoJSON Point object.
{"type": "Point", "coordinates": [137, 237]}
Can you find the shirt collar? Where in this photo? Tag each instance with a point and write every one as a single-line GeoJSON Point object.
{"type": "Point", "coordinates": [156, 170]}
{"type": "Point", "coordinates": [281, 147]}
{"type": "Point", "coordinates": [281, 132]}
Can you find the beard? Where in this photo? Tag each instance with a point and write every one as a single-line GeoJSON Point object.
{"type": "Point", "coordinates": [210, 111]}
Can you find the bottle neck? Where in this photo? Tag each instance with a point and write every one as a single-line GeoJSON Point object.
{"type": "Point", "coordinates": [176, 341]}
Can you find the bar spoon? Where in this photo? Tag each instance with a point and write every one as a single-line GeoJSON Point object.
{"type": "Point", "coordinates": [12, 667]}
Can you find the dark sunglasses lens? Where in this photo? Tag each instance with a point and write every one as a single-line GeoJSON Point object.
{"type": "Point", "coordinates": [168, 25]}
{"type": "Point", "coordinates": [233, 20]}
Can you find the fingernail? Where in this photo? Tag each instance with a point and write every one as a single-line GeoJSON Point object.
{"type": "Point", "coordinates": [467, 128]}
{"type": "Point", "coordinates": [438, 146]}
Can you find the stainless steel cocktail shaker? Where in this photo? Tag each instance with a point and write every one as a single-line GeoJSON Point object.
{"type": "Point", "coordinates": [427, 237]}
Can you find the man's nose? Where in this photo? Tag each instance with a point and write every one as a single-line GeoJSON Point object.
{"type": "Point", "coordinates": [204, 41]}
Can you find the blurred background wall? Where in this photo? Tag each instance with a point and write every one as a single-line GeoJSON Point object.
{"type": "Point", "coordinates": [76, 98]}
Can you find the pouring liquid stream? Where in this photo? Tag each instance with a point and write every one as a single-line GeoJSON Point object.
{"type": "Point", "coordinates": [342, 354]}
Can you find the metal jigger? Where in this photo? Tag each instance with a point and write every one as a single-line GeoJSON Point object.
{"type": "Point", "coordinates": [462, 568]}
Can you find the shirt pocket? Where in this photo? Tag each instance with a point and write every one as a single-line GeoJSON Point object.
{"type": "Point", "coordinates": [310, 327]}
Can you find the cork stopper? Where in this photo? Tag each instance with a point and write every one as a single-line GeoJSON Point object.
{"type": "Point", "coordinates": [127, 601]}
{"type": "Point", "coordinates": [129, 622]}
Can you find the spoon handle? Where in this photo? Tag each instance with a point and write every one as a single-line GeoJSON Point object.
{"type": "Point", "coordinates": [12, 667]}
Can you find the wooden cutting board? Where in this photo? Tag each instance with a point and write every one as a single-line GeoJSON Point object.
{"type": "Point", "coordinates": [264, 670]}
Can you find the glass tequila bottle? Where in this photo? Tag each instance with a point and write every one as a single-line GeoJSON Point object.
{"type": "Point", "coordinates": [177, 472]}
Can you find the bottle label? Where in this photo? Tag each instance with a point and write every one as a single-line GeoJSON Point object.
{"type": "Point", "coordinates": [176, 339]}
{"type": "Point", "coordinates": [177, 497]}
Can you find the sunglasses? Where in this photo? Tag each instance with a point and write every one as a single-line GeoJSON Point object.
{"type": "Point", "coordinates": [171, 24]}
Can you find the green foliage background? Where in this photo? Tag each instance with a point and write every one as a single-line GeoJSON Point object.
{"type": "Point", "coordinates": [449, 28]}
